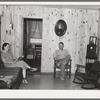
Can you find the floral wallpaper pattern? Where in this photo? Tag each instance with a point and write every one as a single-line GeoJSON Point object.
{"type": "Point", "coordinates": [81, 24]}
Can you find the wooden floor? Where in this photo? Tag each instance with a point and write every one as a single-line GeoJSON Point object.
{"type": "Point", "coordinates": [47, 82]}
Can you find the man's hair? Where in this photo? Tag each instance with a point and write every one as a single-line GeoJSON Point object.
{"type": "Point", "coordinates": [61, 43]}
{"type": "Point", "coordinates": [4, 45]}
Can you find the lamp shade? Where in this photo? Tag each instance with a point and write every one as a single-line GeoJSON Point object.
{"type": "Point", "coordinates": [60, 27]}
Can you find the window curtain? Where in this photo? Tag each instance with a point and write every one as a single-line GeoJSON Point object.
{"type": "Point", "coordinates": [33, 26]}
{"type": "Point", "coordinates": [28, 35]}
{"type": "Point", "coordinates": [40, 28]}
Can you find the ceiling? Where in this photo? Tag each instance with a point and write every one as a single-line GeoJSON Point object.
{"type": "Point", "coordinates": [73, 5]}
{"type": "Point", "coordinates": [95, 7]}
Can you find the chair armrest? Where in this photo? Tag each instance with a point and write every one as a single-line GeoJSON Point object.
{"type": "Point", "coordinates": [80, 66]}
{"type": "Point", "coordinates": [55, 62]}
{"type": "Point", "coordinates": [70, 59]}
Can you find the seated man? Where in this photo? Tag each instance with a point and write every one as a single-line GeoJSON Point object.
{"type": "Point", "coordinates": [62, 57]}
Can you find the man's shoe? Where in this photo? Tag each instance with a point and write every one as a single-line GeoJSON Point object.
{"type": "Point", "coordinates": [62, 78]}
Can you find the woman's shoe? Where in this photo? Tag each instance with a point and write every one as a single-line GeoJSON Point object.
{"type": "Point", "coordinates": [25, 81]}
{"type": "Point", "coordinates": [33, 69]}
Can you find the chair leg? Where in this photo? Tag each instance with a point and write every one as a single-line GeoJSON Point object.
{"type": "Point", "coordinates": [54, 72]}
{"type": "Point", "coordinates": [80, 81]}
{"type": "Point", "coordinates": [69, 70]}
{"type": "Point", "coordinates": [74, 81]}
{"type": "Point", "coordinates": [86, 82]}
{"type": "Point", "coordinates": [70, 73]}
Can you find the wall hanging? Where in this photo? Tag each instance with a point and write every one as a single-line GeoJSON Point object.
{"type": "Point", "coordinates": [60, 27]}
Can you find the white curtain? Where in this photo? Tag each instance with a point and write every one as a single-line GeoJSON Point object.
{"type": "Point", "coordinates": [40, 28]}
{"type": "Point", "coordinates": [32, 25]}
{"type": "Point", "coordinates": [32, 28]}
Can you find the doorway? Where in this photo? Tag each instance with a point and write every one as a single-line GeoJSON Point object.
{"type": "Point", "coordinates": [0, 33]}
{"type": "Point", "coordinates": [32, 42]}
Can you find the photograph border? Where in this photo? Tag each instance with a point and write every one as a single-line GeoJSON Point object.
{"type": "Point", "coordinates": [50, 94]}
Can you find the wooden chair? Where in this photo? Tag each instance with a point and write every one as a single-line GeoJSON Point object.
{"type": "Point", "coordinates": [91, 69]}
{"type": "Point", "coordinates": [67, 68]}
{"type": "Point", "coordinates": [93, 77]}
{"type": "Point", "coordinates": [28, 53]}
{"type": "Point", "coordinates": [38, 49]}
{"type": "Point", "coordinates": [79, 74]}
{"type": "Point", "coordinates": [90, 78]}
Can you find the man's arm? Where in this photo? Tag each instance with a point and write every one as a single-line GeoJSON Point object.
{"type": "Point", "coordinates": [55, 55]}
{"type": "Point", "coordinates": [67, 53]}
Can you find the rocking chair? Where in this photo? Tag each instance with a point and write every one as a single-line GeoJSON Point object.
{"type": "Point", "coordinates": [92, 77]}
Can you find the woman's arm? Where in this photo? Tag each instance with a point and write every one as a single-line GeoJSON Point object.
{"type": "Point", "coordinates": [8, 62]}
{"type": "Point", "coordinates": [13, 58]}
{"type": "Point", "coordinates": [20, 58]}
{"type": "Point", "coordinates": [6, 58]}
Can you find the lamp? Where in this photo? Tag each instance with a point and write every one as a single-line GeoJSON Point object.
{"type": "Point", "coordinates": [60, 27]}
{"type": "Point", "coordinates": [11, 23]}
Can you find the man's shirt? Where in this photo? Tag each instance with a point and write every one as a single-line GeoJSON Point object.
{"type": "Point", "coordinates": [60, 54]}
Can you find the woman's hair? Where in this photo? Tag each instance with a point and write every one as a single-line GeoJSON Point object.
{"type": "Point", "coordinates": [4, 45]}
{"type": "Point", "coordinates": [61, 43]}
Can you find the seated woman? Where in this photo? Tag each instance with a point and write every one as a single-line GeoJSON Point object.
{"type": "Point", "coordinates": [62, 57]}
{"type": "Point", "coordinates": [9, 61]}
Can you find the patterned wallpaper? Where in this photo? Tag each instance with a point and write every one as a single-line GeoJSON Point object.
{"type": "Point", "coordinates": [81, 23]}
